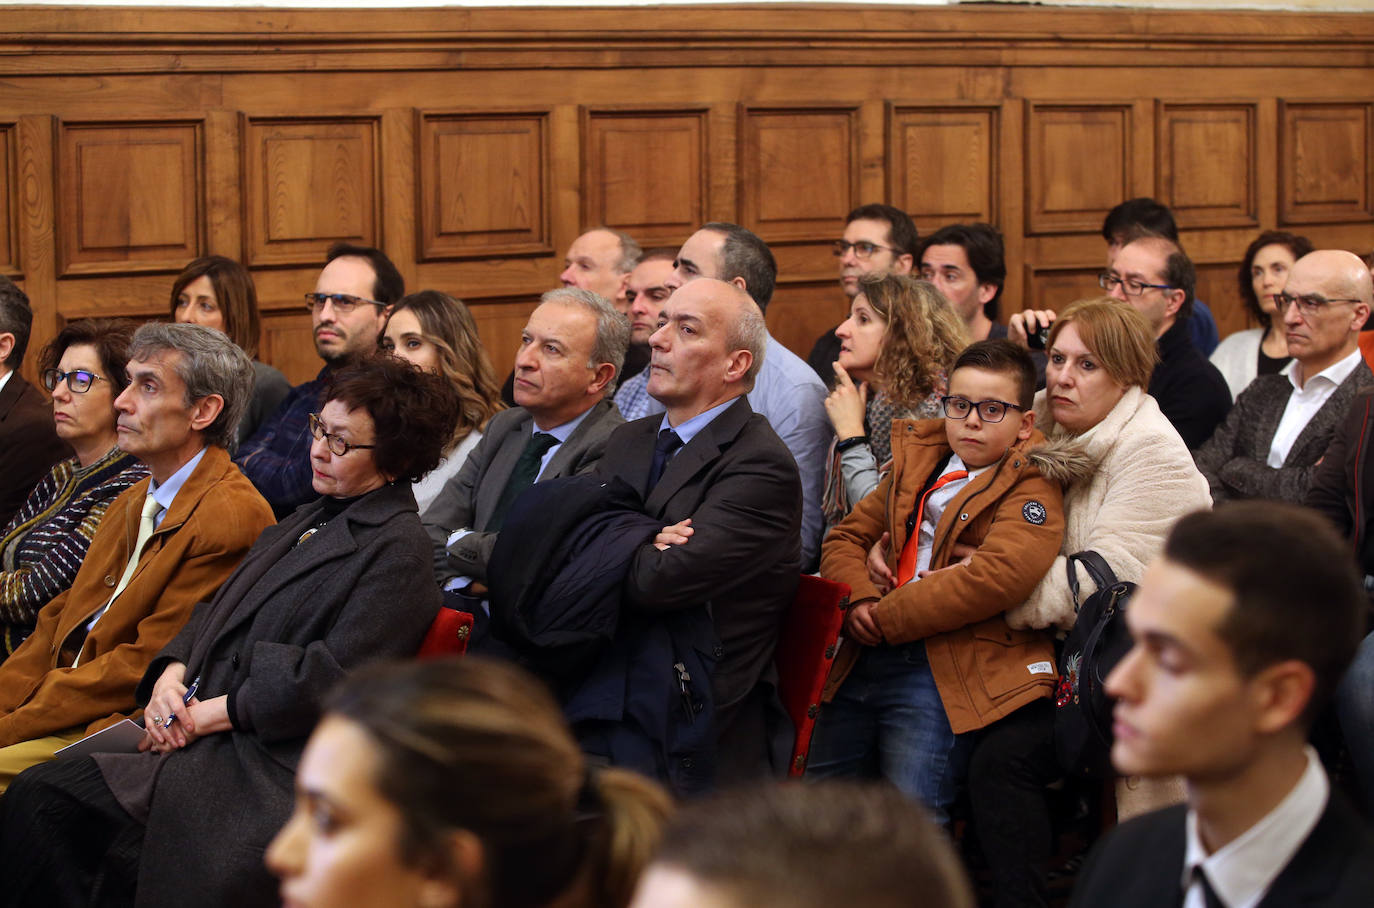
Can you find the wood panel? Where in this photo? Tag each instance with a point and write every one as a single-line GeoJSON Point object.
{"type": "Point", "coordinates": [483, 185]}
{"type": "Point", "coordinates": [9, 207]}
{"type": "Point", "coordinates": [1079, 163]}
{"type": "Point", "coordinates": [798, 170]}
{"type": "Point", "coordinates": [1327, 170]}
{"type": "Point", "coordinates": [942, 163]}
{"type": "Point", "coordinates": [646, 171]}
{"type": "Point", "coordinates": [1207, 163]}
{"type": "Point", "coordinates": [309, 182]}
{"type": "Point", "coordinates": [473, 145]}
{"type": "Point", "coordinates": [131, 196]}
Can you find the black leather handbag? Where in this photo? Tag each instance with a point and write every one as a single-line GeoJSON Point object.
{"type": "Point", "coordinates": [1098, 641]}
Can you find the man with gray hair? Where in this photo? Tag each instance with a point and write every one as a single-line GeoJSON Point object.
{"type": "Point", "coordinates": [164, 545]}
{"type": "Point", "coordinates": [601, 260]}
{"type": "Point", "coordinates": [29, 445]}
{"type": "Point", "coordinates": [729, 495]}
{"type": "Point", "coordinates": [570, 353]}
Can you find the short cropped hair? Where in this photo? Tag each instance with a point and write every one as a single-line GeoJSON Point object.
{"type": "Point", "coordinates": [658, 254]}
{"type": "Point", "coordinates": [1117, 333]}
{"type": "Point", "coordinates": [816, 846]}
{"type": "Point", "coordinates": [210, 363]}
{"type": "Point", "coordinates": [986, 252]}
{"type": "Point", "coordinates": [109, 337]}
{"type": "Point", "coordinates": [1003, 358]}
{"type": "Point", "coordinates": [413, 411]}
{"type": "Point", "coordinates": [1135, 218]}
{"type": "Point", "coordinates": [389, 285]}
{"type": "Point", "coordinates": [612, 327]}
{"type": "Point", "coordinates": [746, 256]}
{"type": "Point", "coordinates": [1180, 274]}
{"type": "Point", "coordinates": [630, 250]}
{"type": "Point", "coordinates": [1297, 592]}
{"type": "Point", "coordinates": [15, 318]}
{"type": "Point", "coordinates": [923, 336]}
{"type": "Point", "coordinates": [748, 331]}
{"type": "Point", "coordinates": [901, 229]}
{"type": "Point", "coordinates": [234, 292]}
{"type": "Point", "coordinates": [1297, 246]}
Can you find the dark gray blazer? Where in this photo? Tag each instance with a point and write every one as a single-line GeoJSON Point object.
{"type": "Point", "coordinates": [282, 631]}
{"type": "Point", "coordinates": [740, 485]}
{"type": "Point", "coordinates": [468, 499]}
{"type": "Point", "coordinates": [1140, 864]}
{"type": "Point", "coordinates": [1233, 459]}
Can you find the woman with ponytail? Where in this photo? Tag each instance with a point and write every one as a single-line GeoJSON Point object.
{"type": "Point", "coordinates": [457, 783]}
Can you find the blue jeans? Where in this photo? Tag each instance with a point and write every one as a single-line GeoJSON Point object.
{"type": "Point", "coordinates": [1355, 705]}
{"type": "Point", "coordinates": [887, 721]}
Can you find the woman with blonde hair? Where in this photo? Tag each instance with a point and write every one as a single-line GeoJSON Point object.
{"type": "Point", "coordinates": [897, 344]}
{"type": "Point", "coordinates": [458, 782]}
{"type": "Point", "coordinates": [437, 333]}
{"type": "Point", "coordinates": [1127, 477]}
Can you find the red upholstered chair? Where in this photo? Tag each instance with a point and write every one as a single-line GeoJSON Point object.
{"type": "Point", "coordinates": [806, 650]}
{"type": "Point", "coordinates": [1366, 343]}
{"type": "Point", "coordinates": [448, 635]}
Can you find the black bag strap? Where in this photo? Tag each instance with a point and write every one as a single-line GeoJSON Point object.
{"type": "Point", "coordinates": [1096, 566]}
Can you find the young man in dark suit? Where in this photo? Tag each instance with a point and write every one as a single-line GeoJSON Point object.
{"type": "Point", "coordinates": [29, 445]}
{"type": "Point", "coordinates": [729, 494]}
{"type": "Point", "coordinates": [1242, 631]}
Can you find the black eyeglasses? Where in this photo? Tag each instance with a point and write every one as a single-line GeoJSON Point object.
{"type": "Point", "coordinates": [343, 302]}
{"type": "Point", "coordinates": [1308, 304]}
{"type": "Point", "coordinates": [863, 249]}
{"type": "Point", "coordinates": [988, 410]}
{"type": "Point", "coordinates": [336, 445]}
{"type": "Point", "coordinates": [78, 380]}
{"type": "Point", "coordinates": [1132, 286]}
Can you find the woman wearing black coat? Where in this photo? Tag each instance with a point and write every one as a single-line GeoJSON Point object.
{"type": "Point", "coordinates": [342, 581]}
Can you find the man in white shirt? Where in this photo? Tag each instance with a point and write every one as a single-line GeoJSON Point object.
{"type": "Point", "coordinates": [1281, 425]}
{"type": "Point", "coordinates": [1243, 628]}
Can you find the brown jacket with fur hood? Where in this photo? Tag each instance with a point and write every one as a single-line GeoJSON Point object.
{"type": "Point", "coordinates": [983, 668]}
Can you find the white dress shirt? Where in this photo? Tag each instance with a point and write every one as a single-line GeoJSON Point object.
{"type": "Point", "coordinates": [1242, 871]}
{"type": "Point", "coordinates": [1305, 401]}
{"type": "Point", "coordinates": [936, 502]}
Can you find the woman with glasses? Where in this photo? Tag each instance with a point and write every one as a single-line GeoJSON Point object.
{"type": "Point", "coordinates": [457, 783]}
{"type": "Point", "coordinates": [218, 292]}
{"type": "Point", "coordinates": [436, 332]}
{"type": "Point", "coordinates": [1263, 272]}
{"type": "Point", "coordinates": [229, 703]}
{"type": "Point", "coordinates": [1127, 477]}
{"type": "Point", "coordinates": [46, 540]}
{"type": "Point", "coordinates": [895, 348]}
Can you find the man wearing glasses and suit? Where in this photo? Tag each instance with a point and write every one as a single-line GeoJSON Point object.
{"type": "Point", "coordinates": [1270, 444]}
{"type": "Point", "coordinates": [348, 309]}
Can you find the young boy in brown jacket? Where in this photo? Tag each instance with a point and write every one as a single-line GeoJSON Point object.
{"type": "Point", "coordinates": [928, 658]}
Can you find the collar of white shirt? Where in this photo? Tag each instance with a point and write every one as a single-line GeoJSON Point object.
{"type": "Point", "coordinates": [1242, 871]}
{"type": "Point", "coordinates": [1335, 373]}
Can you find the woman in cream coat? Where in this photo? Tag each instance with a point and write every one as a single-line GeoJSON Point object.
{"type": "Point", "coordinates": [1127, 478]}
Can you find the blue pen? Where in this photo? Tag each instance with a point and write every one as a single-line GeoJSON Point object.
{"type": "Point", "coordinates": [185, 698]}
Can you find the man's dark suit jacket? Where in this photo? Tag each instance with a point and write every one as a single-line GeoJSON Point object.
{"type": "Point", "coordinates": [739, 484]}
{"type": "Point", "coordinates": [1343, 486]}
{"type": "Point", "coordinates": [29, 445]}
{"type": "Point", "coordinates": [1140, 864]}
{"type": "Point", "coordinates": [1234, 459]}
{"type": "Point", "coordinates": [468, 499]}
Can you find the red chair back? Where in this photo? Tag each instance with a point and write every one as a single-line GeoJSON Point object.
{"type": "Point", "coordinates": [448, 635]}
{"type": "Point", "coordinates": [806, 650]}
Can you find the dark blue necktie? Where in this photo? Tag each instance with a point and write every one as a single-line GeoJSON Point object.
{"type": "Point", "coordinates": [667, 443]}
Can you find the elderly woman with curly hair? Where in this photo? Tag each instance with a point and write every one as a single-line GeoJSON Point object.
{"type": "Point", "coordinates": [900, 338]}
{"type": "Point", "coordinates": [231, 700]}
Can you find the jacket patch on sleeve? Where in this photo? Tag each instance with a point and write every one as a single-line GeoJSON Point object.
{"type": "Point", "coordinates": [1034, 512]}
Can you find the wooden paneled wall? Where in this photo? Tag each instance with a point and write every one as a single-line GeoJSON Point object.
{"type": "Point", "coordinates": [474, 145]}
